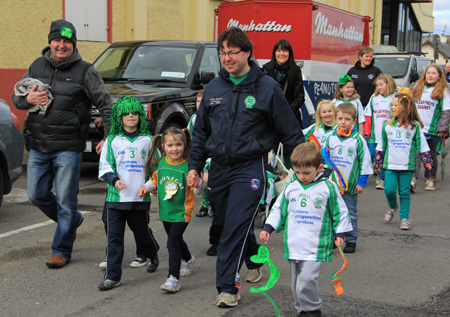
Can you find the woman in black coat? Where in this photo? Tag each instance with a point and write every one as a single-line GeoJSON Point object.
{"type": "Point", "coordinates": [284, 70]}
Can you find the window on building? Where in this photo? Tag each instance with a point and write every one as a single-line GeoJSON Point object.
{"type": "Point", "coordinates": [90, 18]}
{"type": "Point", "coordinates": [399, 26]}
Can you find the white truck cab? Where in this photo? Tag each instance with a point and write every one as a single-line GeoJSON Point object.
{"type": "Point", "coordinates": [405, 68]}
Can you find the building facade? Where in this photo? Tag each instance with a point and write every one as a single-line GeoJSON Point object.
{"type": "Point", "coordinates": [102, 22]}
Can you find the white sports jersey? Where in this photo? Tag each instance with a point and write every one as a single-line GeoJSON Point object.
{"type": "Point", "coordinates": [351, 155]}
{"type": "Point", "coordinates": [126, 158]}
{"type": "Point", "coordinates": [379, 108]}
{"type": "Point", "coordinates": [311, 215]}
{"type": "Point", "coordinates": [320, 133]}
{"type": "Point", "coordinates": [400, 145]}
{"type": "Point", "coordinates": [430, 109]}
{"type": "Point", "coordinates": [191, 123]}
{"type": "Point", "coordinates": [360, 118]}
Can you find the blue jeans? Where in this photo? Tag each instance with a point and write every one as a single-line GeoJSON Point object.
{"type": "Point", "coordinates": [351, 202]}
{"type": "Point", "coordinates": [64, 168]}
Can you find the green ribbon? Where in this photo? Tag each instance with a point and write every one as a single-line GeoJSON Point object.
{"type": "Point", "coordinates": [263, 257]}
{"type": "Point", "coordinates": [344, 79]}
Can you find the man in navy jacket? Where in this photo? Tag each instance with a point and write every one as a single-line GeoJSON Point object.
{"type": "Point", "coordinates": [240, 111]}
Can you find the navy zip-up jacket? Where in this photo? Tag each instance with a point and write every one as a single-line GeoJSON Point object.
{"type": "Point", "coordinates": [236, 123]}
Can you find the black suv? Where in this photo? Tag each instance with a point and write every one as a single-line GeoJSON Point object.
{"type": "Point", "coordinates": [164, 76]}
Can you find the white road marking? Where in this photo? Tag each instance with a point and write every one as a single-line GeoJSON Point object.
{"type": "Point", "coordinates": [31, 227]}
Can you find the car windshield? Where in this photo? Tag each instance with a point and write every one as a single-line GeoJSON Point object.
{"type": "Point", "coordinates": [147, 63]}
{"type": "Point", "coordinates": [396, 66]}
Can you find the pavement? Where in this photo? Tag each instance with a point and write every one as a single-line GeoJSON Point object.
{"type": "Point", "coordinates": [392, 273]}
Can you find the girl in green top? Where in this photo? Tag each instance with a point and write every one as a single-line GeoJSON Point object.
{"type": "Point", "coordinates": [175, 199]}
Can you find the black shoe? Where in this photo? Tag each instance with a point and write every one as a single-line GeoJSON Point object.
{"type": "Point", "coordinates": [350, 247]}
{"type": "Point", "coordinates": [154, 262]}
{"type": "Point", "coordinates": [212, 250]}
{"type": "Point", "coordinates": [202, 212]}
{"type": "Point", "coordinates": [314, 313]}
{"type": "Point", "coordinates": [210, 212]}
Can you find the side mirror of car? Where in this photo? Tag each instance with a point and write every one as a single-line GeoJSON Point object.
{"type": "Point", "coordinates": [413, 76]}
{"type": "Point", "coordinates": [207, 76]}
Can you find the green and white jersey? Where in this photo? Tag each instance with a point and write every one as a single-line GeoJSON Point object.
{"type": "Point", "coordinates": [379, 108]}
{"type": "Point", "coordinates": [351, 155]}
{"type": "Point", "coordinates": [360, 118]}
{"type": "Point", "coordinates": [175, 197]}
{"type": "Point", "coordinates": [430, 109]}
{"type": "Point", "coordinates": [192, 123]}
{"type": "Point", "coordinates": [126, 158]}
{"type": "Point", "coordinates": [321, 134]}
{"type": "Point", "coordinates": [310, 215]}
{"type": "Point", "coordinates": [400, 145]}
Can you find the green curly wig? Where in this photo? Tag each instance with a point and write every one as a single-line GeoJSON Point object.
{"type": "Point", "coordinates": [124, 106]}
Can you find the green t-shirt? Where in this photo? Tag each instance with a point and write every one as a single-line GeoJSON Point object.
{"type": "Point", "coordinates": [239, 79]}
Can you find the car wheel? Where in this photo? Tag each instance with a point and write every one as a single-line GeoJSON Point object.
{"type": "Point", "coordinates": [170, 125]}
{"type": "Point", "coordinates": [2, 186]}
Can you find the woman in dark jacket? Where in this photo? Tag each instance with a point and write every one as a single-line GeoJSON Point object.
{"type": "Point", "coordinates": [284, 70]}
{"type": "Point", "coordinates": [364, 73]}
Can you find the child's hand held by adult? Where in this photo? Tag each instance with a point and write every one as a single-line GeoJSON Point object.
{"type": "Point", "coordinates": [193, 179]}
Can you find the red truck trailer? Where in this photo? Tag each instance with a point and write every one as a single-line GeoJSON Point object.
{"type": "Point", "coordinates": [325, 40]}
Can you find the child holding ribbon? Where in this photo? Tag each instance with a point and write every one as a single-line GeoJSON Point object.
{"type": "Point", "coordinates": [325, 122]}
{"type": "Point", "coordinates": [348, 149]}
{"type": "Point", "coordinates": [401, 137]}
{"type": "Point", "coordinates": [346, 92]}
{"type": "Point", "coordinates": [175, 199]}
{"type": "Point", "coordinates": [313, 213]}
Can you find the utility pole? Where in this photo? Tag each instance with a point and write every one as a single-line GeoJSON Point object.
{"type": "Point", "coordinates": [437, 42]}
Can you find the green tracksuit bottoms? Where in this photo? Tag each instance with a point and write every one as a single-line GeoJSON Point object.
{"type": "Point", "coordinates": [401, 181]}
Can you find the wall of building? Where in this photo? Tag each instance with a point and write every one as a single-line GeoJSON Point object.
{"type": "Point", "coordinates": [191, 20]}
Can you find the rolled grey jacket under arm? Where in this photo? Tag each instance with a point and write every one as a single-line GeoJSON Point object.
{"type": "Point", "coordinates": [25, 85]}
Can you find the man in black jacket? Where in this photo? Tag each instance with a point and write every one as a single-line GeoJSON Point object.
{"type": "Point", "coordinates": [58, 135]}
{"type": "Point", "coordinates": [238, 114]}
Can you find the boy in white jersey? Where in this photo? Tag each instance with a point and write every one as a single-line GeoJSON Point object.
{"type": "Point", "coordinates": [349, 151]}
{"type": "Point", "coordinates": [312, 212]}
{"type": "Point", "coordinates": [122, 162]}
